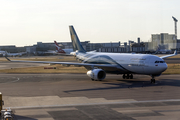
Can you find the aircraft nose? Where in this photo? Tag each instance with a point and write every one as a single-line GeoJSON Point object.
{"type": "Point", "coordinates": [164, 67]}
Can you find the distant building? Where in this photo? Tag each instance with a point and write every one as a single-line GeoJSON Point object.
{"type": "Point", "coordinates": [12, 49]}
{"type": "Point", "coordinates": [165, 40]}
{"type": "Point", "coordinates": [30, 50]}
{"type": "Point", "coordinates": [113, 47]}
{"type": "Point", "coordinates": [162, 41]}
{"type": "Point", "coordinates": [45, 46]}
{"type": "Point", "coordinates": [138, 47]}
{"type": "Point", "coordinates": [102, 47]}
{"type": "Point", "coordinates": [120, 49]}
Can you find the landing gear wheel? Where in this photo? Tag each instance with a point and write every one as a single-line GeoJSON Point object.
{"type": "Point", "coordinates": [152, 80]}
{"type": "Point", "coordinates": [131, 76]}
{"type": "Point", "coordinates": [124, 76]}
{"type": "Point", "coordinates": [127, 76]}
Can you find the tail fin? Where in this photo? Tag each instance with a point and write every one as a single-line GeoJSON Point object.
{"type": "Point", "coordinates": [75, 40]}
{"type": "Point", "coordinates": [58, 48]}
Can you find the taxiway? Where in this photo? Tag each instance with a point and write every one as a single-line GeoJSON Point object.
{"type": "Point", "coordinates": [75, 96]}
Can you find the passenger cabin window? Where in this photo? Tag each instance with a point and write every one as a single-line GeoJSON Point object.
{"type": "Point", "coordinates": [159, 61]}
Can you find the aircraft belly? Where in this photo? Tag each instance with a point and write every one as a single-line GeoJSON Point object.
{"type": "Point", "coordinates": [112, 70]}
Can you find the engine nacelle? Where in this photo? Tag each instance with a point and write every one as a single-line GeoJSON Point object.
{"type": "Point", "coordinates": [96, 74]}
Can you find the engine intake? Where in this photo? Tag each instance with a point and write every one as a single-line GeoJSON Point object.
{"type": "Point", "coordinates": [96, 74]}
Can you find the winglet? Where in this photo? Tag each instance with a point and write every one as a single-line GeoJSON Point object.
{"type": "Point", "coordinates": [175, 53]}
{"type": "Point", "coordinates": [8, 59]}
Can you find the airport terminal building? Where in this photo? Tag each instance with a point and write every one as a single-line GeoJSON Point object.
{"type": "Point", "coordinates": [162, 41]}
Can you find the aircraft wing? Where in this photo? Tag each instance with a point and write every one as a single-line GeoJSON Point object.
{"type": "Point", "coordinates": [65, 63]}
{"type": "Point", "coordinates": [175, 53]}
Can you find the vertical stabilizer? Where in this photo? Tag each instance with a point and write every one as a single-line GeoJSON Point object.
{"type": "Point", "coordinates": [58, 48]}
{"type": "Point", "coordinates": [75, 40]}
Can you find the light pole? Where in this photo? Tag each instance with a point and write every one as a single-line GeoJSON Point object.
{"type": "Point", "coordinates": [175, 23]}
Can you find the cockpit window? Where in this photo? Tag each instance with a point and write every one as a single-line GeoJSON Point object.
{"type": "Point", "coordinates": [159, 61]}
{"type": "Point", "coordinates": [156, 61]}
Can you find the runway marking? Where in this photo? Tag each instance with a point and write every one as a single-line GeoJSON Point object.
{"type": "Point", "coordinates": [104, 103]}
{"type": "Point", "coordinates": [13, 81]}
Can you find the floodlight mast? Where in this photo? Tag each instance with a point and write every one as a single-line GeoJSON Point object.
{"type": "Point", "coordinates": [175, 23]}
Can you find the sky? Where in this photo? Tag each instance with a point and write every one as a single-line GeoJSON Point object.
{"type": "Point", "coordinates": [26, 22]}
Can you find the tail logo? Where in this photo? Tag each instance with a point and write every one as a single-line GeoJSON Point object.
{"type": "Point", "coordinates": [58, 48]}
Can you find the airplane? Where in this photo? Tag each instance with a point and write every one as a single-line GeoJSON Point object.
{"type": "Point", "coordinates": [15, 54]}
{"type": "Point", "coordinates": [59, 50]}
{"type": "Point", "coordinates": [5, 53]}
{"type": "Point", "coordinates": [2, 53]}
{"type": "Point", "coordinates": [99, 63]}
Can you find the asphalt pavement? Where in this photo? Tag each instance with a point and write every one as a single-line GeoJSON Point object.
{"type": "Point", "coordinates": [75, 96]}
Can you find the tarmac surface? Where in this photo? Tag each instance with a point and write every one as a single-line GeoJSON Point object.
{"type": "Point", "coordinates": [10, 65]}
{"type": "Point", "coordinates": [76, 97]}
{"type": "Point", "coordinates": [172, 60]}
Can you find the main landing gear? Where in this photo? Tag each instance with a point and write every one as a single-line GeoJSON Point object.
{"type": "Point", "coordinates": [127, 76]}
{"type": "Point", "coordinates": [95, 80]}
{"type": "Point", "coordinates": [153, 80]}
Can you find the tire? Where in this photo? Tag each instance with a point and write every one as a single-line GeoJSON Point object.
{"type": "Point", "coordinates": [127, 76]}
{"type": "Point", "coordinates": [131, 77]}
{"type": "Point", "coordinates": [153, 81]}
{"type": "Point", "coordinates": [123, 76]}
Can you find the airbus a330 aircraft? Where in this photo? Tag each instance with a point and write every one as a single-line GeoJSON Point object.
{"type": "Point", "coordinates": [99, 63]}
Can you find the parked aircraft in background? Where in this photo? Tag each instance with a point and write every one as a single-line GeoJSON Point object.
{"type": "Point", "coordinates": [163, 51]}
{"type": "Point", "coordinates": [63, 51]}
{"type": "Point", "coordinates": [2, 53]}
{"type": "Point", "coordinates": [99, 63]}
{"type": "Point", "coordinates": [5, 53]}
{"type": "Point", "coordinates": [15, 54]}
{"type": "Point", "coordinates": [59, 50]}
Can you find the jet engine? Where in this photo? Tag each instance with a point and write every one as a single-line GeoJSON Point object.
{"type": "Point", "coordinates": [96, 74]}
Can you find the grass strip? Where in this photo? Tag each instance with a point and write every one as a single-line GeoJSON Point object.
{"type": "Point", "coordinates": [172, 69]}
{"type": "Point", "coordinates": [59, 69]}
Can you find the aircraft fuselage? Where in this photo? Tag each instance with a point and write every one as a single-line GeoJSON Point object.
{"type": "Point", "coordinates": [126, 63]}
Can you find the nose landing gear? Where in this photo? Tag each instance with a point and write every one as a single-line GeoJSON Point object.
{"type": "Point", "coordinates": [153, 80]}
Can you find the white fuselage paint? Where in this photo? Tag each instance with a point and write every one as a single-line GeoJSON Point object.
{"type": "Point", "coordinates": [135, 63]}
{"type": "Point", "coordinates": [68, 51]}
